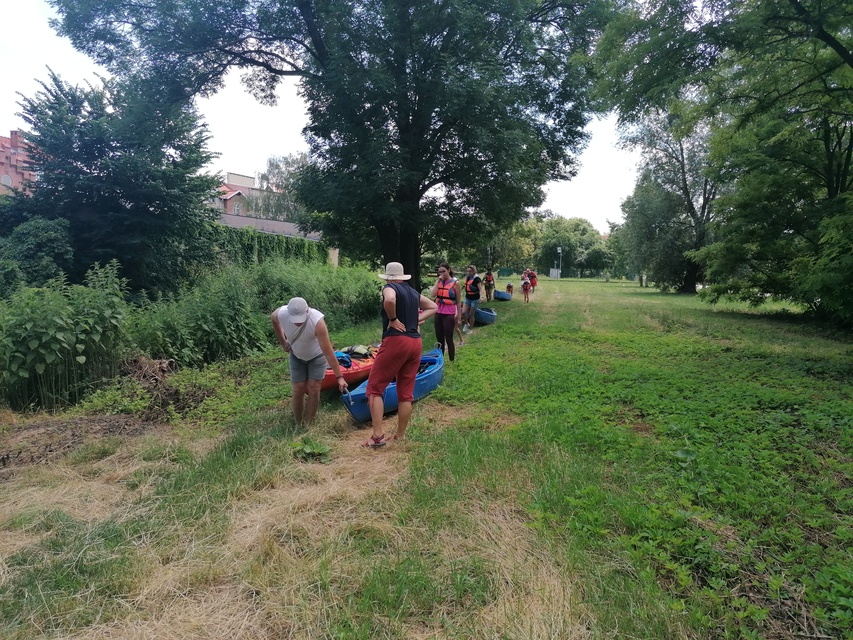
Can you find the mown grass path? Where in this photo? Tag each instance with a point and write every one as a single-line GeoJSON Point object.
{"type": "Point", "coordinates": [603, 462]}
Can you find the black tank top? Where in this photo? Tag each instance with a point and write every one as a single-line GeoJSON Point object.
{"type": "Point", "coordinates": [408, 304]}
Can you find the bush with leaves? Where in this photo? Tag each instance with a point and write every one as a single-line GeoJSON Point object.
{"type": "Point", "coordinates": [216, 320]}
{"type": "Point", "coordinates": [59, 341]}
{"type": "Point", "coordinates": [345, 295]}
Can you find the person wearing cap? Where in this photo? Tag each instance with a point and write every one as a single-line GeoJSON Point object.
{"type": "Point", "coordinates": [303, 333]}
{"type": "Point", "coordinates": [399, 356]}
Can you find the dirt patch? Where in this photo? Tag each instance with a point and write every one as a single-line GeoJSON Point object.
{"type": "Point", "coordinates": [47, 439]}
{"type": "Point", "coordinates": [632, 418]}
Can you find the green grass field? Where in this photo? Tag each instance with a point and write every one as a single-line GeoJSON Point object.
{"type": "Point", "coordinates": [604, 462]}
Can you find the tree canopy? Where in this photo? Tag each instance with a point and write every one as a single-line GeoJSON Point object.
{"type": "Point", "coordinates": [774, 83]}
{"type": "Point", "coordinates": [123, 174]}
{"type": "Point", "coordinates": [422, 114]}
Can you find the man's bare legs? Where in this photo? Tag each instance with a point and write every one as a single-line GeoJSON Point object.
{"type": "Point", "coordinates": [404, 412]}
{"type": "Point", "coordinates": [377, 412]}
{"type": "Point", "coordinates": [303, 413]}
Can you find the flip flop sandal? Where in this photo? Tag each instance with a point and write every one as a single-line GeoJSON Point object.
{"type": "Point", "coordinates": [374, 442]}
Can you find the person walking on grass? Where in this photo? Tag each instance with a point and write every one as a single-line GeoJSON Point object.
{"type": "Point", "coordinates": [302, 332]}
{"type": "Point", "coordinates": [448, 297]}
{"type": "Point", "coordinates": [473, 293]}
{"type": "Point", "coordinates": [399, 355]}
{"type": "Point", "coordinates": [533, 281]}
{"type": "Point", "coordinates": [525, 288]}
{"type": "Point", "coordinates": [489, 284]}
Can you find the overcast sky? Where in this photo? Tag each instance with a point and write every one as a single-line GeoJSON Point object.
{"type": "Point", "coordinates": [245, 133]}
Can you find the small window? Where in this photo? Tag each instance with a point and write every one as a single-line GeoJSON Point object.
{"type": "Point", "coordinates": [6, 180]}
{"type": "Point", "coordinates": [236, 209]}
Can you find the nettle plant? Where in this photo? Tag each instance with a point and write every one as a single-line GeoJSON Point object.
{"type": "Point", "coordinates": [59, 341]}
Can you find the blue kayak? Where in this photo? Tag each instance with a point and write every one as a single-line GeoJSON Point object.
{"type": "Point", "coordinates": [485, 315]}
{"type": "Point", "coordinates": [502, 295]}
{"type": "Point", "coordinates": [429, 377]}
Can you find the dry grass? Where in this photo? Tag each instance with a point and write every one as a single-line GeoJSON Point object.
{"type": "Point", "coordinates": [295, 552]}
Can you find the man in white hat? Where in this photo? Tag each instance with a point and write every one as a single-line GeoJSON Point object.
{"type": "Point", "coordinates": [303, 333]}
{"type": "Point", "coordinates": [399, 356]}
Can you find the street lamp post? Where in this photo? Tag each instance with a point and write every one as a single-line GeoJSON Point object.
{"type": "Point", "coordinates": [560, 251]}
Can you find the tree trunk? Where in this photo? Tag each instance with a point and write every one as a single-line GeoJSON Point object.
{"type": "Point", "coordinates": [408, 204]}
{"type": "Point", "coordinates": [691, 278]}
{"type": "Point", "coordinates": [399, 240]}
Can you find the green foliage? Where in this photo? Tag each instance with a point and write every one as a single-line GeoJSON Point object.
{"type": "Point", "coordinates": [775, 80]}
{"type": "Point", "coordinates": [346, 296]}
{"type": "Point", "coordinates": [275, 198]}
{"type": "Point", "coordinates": [58, 341]}
{"type": "Point", "coordinates": [41, 248]}
{"type": "Point", "coordinates": [11, 277]}
{"type": "Point", "coordinates": [215, 320]}
{"type": "Point", "coordinates": [308, 449]}
{"type": "Point", "coordinates": [122, 396]}
{"type": "Point", "coordinates": [123, 169]}
{"type": "Point", "coordinates": [581, 245]}
{"type": "Point", "coordinates": [420, 113]}
{"type": "Point", "coordinates": [247, 246]}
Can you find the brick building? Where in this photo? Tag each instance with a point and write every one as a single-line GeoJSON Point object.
{"type": "Point", "coordinates": [234, 204]}
{"type": "Point", "coordinates": [13, 155]}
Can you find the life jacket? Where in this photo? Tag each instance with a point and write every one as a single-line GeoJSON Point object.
{"type": "Point", "coordinates": [489, 280]}
{"type": "Point", "coordinates": [470, 288]}
{"type": "Point", "coordinates": [446, 292]}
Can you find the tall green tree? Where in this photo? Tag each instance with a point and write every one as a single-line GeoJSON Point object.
{"type": "Point", "coordinates": [675, 159]}
{"type": "Point", "coordinates": [123, 170]}
{"type": "Point", "coordinates": [452, 110]}
{"type": "Point", "coordinates": [777, 77]}
{"type": "Point", "coordinates": [276, 198]}
{"type": "Point", "coordinates": [653, 236]}
{"type": "Point", "coordinates": [578, 241]}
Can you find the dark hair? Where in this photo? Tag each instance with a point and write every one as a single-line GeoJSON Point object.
{"type": "Point", "coordinates": [444, 265]}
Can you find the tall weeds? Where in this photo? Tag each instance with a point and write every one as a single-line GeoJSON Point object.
{"type": "Point", "coordinates": [58, 341]}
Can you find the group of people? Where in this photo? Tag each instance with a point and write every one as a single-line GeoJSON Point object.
{"type": "Point", "coordinates": [528, 283]}
{"type": "Point", "coordinates": [456, 311]}
{"type": "Point", "coordinates": [302, 332]}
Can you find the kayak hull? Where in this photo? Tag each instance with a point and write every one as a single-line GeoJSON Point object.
{"type": "Point", "coordinates": [425, 382]}
{"type": "Point", "coordinates": [354, 370]}
{"type": "Point", "coordinates": [485, 315]}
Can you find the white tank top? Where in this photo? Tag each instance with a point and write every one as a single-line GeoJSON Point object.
{"type": "Point", "coordinates": [306, 346]}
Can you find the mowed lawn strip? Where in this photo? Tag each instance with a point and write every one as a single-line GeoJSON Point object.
{"type": "Point", "coordinates": [720, 439]}
{"type": "Point", "coordinates": [603, 462]}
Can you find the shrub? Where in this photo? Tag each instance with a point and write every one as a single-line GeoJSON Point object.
{"type": "Point", "coordinates": [59, 341]}
{"type": "Point", "coordinates": [216, 320]}
{"type": "Point", "coordinates": [345, 295]}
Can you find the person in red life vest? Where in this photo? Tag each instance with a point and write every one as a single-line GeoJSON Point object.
{"type": "Point", "coordinates": [302, 332]}
{"type": "Point", "coordinates": [403, 312]}
{"type": "Point", "coordinates": [489, 284]}
{"type": "Point", "coordinates": [525, 288]}
{"type": "Point", "coordinates": [448, 296]}
{"type": "Point", "coordinates": [473, 293]}
{"type": "Point", "coordinates": [532, 276]}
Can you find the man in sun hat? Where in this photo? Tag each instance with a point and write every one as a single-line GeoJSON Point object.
{"type": "Point", "coordinates": [399, 356]}
{"type": "Point", "coordinates": [303, 333]}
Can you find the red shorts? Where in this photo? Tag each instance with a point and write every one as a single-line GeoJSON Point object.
{"type": "Point", "coordinates": [398, 357]}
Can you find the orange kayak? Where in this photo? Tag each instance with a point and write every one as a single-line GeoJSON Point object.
{"type": "Point", "coordinates": [354, 369]}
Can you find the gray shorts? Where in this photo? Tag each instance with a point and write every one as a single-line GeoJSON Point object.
{"type": "Point", "coordinates": [473, 304]}
{"type": "Point", "coordinates": [302, 370]}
